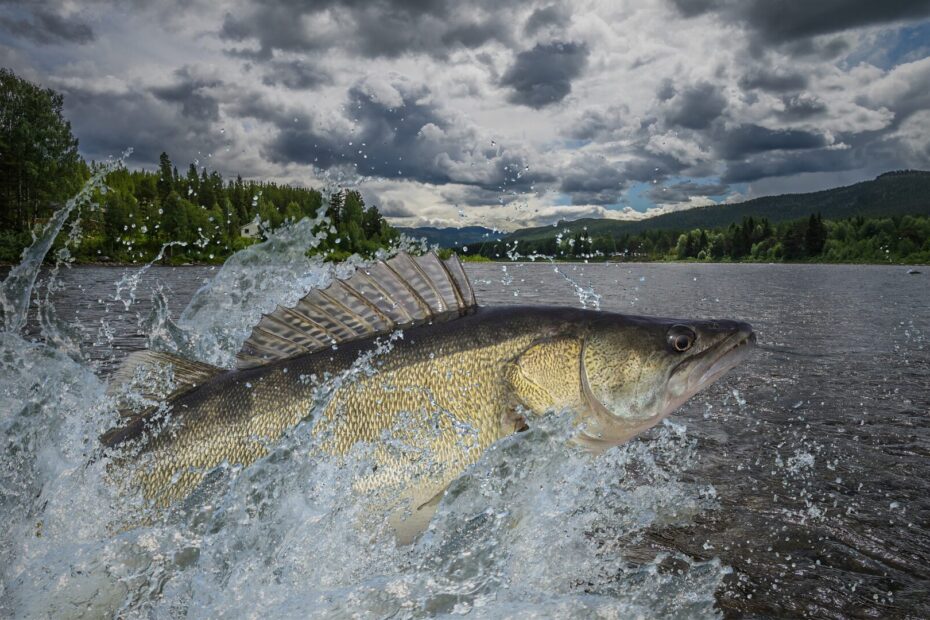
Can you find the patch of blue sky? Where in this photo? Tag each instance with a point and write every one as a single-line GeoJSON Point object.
{"type": "Point", "coordinates": [562, 200]}
{"type": "Point", "coordinates": [637, 196]}
{"type": "Point", "coordinates": [895, 46]}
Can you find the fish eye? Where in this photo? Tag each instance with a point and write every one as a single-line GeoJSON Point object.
{"type": "Point", "coordinates": [681, 338]}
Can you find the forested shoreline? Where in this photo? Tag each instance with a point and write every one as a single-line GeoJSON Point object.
{"type": "Point", "coordinates": [896, 240]}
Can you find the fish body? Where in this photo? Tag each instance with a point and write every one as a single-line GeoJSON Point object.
{"type": "Point", "coordinates": [432, 400]}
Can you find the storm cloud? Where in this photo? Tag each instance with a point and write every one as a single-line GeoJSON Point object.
{"type": "Point", "coordinates": [685, 192]}
{"type": "Point", "coordinates": [494, 112]}
{"type": "Point", "coordinates": [746, 140]}
{"type": "Point", "coordinates": [396, 131]}
{"type": "Point", "coordinates": [543, 76]}
{"type": "Point", "coordinates": [696, 107]}
{"type": "Point", "coordinates": [796, 19]}
{"type": "Point", "coordinates": [45, 26]}
{"type": "Point", "coordinates": [192, 95]}
{"type": "Point", "coordinates": [295, 74]}
{"type": "Point", "coordinates": [387, 28]}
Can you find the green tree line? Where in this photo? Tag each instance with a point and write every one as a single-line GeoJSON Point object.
{"type": "Point", "coordinates": [144, 210]}
{"type": "Point", "coordinates": [141, 211]}
{"type": "Point", "coordinates": [900, 239]}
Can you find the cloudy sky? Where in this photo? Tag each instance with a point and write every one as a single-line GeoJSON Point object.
{"type": "Point", "coordinates": [495, 112]}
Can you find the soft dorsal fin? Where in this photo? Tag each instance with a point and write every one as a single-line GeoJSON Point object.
{"type": "Point", "coordinates": [395, 294]}
{"type": "Point", "coordinates": [185, 375]}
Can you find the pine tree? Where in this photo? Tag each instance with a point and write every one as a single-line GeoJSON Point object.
{"type": "Point", "coordinates": [165, 182]}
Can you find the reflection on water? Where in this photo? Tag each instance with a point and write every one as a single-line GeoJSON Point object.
{"type": "Point", "coordinates": [798, 485]}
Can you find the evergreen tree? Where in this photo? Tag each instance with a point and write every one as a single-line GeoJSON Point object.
{"type": "Point", "coordinates": [175, 224]}
{"type": "Point", "coordinates": [165, 182]}
{"type": "Point", "coordinates": [816, 236]}
{"type": "Point", "coordinates": [39, 163]}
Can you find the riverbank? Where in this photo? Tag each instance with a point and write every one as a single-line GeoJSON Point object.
{"type": "Point", "coordinates": [560, 261]}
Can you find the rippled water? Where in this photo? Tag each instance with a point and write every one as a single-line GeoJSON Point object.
{"type": "Point", "coordinates": [796, 486]}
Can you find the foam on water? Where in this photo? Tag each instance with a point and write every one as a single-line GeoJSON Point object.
{"type": "Point", "coordinates": [537, 528]}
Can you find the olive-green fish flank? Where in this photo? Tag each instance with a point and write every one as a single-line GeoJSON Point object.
{"type": "Point", "coordinates": [447, 391]}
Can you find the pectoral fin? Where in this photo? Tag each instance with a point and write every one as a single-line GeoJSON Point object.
{"type": "Point", "coordinates": [410, 518]}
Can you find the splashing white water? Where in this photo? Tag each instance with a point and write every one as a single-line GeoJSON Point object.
{"type": "Point", "coordinates": [587, 296]}
{"type": "Point", "coordinates": [535, 529]}
{"type": "Point", "coordinates": [16, 289]}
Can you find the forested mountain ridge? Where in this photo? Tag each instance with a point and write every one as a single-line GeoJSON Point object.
{"type": "Point", "coordinates": [904, 192]}
{"type": "Point", "coordinates": [451, 237]}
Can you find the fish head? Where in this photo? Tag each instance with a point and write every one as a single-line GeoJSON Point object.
{"type": "Point", "coordinates": [635, 371]}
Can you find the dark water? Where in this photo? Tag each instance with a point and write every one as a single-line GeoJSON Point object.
{"type": "Point", "coordinates": [816, 451]}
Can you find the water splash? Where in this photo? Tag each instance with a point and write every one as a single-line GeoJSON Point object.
{"type": "Point", "coordinates": [534, 528]}
{"type": "Point", "coordinates": [587, 296]}
{"type": "Point", "coordinates": [16, 290]}
{"type": "Point", "coordinates": [130, 281]}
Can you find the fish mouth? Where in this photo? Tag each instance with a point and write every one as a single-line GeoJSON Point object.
{"type": "Point", "coordinates": [712, 364]}
{"type": "Point", "coordinates": [732, 351]}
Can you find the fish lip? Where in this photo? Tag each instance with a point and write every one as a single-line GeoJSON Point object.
{"type": "Point", "coordinates": [714, 362]}
{"type": "Point", "coordinates": [736, 352]}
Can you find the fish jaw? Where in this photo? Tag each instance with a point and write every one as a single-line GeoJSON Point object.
{"type": "Point", "coordinates": [700, 372]}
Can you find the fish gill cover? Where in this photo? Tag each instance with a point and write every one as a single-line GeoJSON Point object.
{"type": "Point", "coordinates": [535, 528]}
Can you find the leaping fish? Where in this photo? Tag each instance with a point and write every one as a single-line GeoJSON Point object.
{"type": "Point", "coordinates": [460, 378]}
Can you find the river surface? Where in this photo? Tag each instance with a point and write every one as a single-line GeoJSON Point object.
{"type": "Point", "coordinates": [799, 485]}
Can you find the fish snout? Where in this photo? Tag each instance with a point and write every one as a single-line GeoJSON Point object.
{"type": "Point", "coordinates": [743, 336]}
{"type": "Point", "coordinates": [740, 331]}
{"type": "Point", "coordinates": [746, 333]}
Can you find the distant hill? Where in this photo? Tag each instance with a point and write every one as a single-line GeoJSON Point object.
{"type": "Point", "coordinates": [452, 237]}
{"type": "Point", "coordinates": [905, 192]}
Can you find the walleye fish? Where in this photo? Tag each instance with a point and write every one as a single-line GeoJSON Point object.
{"type": "Point", "coordinates": [459, 378]}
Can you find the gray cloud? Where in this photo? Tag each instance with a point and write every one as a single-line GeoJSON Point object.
{"type": "Point", "coordinates": [543, 75]}
{"type": "Point", "coordinates": [46, 27]}
{"type": "Point", "coordinates": [598, 124]}
{"type": "Point", "coordinates": [295, 74]}
{"type": "Point", "coordinates": [193, 95]}
{"type": "Point", "coordinates": [746, 140]}
{"type": "Point", "coordinates": [696, 107]}
{"type": "Point", "coordinates": [387, 28]}
{"type": "Point", "coordinates": [802, 99]}
{"type": "Point", "coordinates": [683, 192]}
{"type": "Point", "coordinates": [797, 19]}
{"type": "Point", "coordinates": [801, 107]}
{"type": "Point", "coordinates": [109, 123]}
{"type": "Point", "coordinates": [666, 90]}
{"type": "Point", "coordinates": [773, 80]}
{"type": "Point", "coordinates": [548, 17]}
{"type": "Point", "coordinates": [593, 180]}
{"type": "Point", "coordinates": [395, 208]}
{"type": "Point", "coordinates": [786, 164]}
{"type": "Point", "coordinates": [399, 133]}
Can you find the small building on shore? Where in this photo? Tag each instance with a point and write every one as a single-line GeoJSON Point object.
{"type": "Point", "coordinates": [252, 230]}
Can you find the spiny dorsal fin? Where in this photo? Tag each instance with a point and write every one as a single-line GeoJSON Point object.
{"type": "Point", "coordinates": [395, 294]}
{"type": "Point", "coordinates": [184, 376]}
